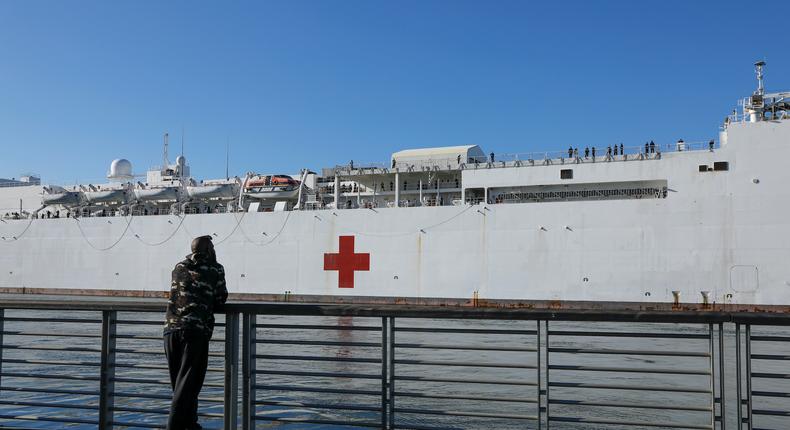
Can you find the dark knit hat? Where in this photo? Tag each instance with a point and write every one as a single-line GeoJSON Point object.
{"type": "Point", "coordinates": [202, 245]}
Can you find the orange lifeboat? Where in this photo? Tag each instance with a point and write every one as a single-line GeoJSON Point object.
{"type": "Point", "coordinates": [271, 181]}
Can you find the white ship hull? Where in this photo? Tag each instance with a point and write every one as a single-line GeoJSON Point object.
{"type": "Point", "coordinates": [725, 232]}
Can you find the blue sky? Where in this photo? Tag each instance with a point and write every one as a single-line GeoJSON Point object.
{"type": "Point", "coordinates": [297, 84]}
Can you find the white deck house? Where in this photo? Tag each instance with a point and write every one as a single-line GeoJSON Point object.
{"type": "Point", "coordinates": [445, 157]}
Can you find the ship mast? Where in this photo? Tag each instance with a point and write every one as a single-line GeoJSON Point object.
{"type": "Point", "coordinates": [165, 158]}
{"type": "Point", "coordinates": [754, 106]}
{"type": "Point", "coordinates": [758, 66]}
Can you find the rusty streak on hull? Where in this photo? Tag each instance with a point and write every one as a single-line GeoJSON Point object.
{"type": "Point", "coordinates": [424, 301]}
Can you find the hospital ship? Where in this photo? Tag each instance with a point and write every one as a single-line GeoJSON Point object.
{"type": "Point", "coordinates": [664, 222]}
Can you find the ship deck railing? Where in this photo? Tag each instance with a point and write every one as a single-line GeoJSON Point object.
{"type": "Point", "coordinates": [601, 152]}
{"type": "Point", "coordinates": [17, 184]}
{"type": "Point", "coordinates": [99, 363]}
{"type": "Point", "coordinates": [523, 159]}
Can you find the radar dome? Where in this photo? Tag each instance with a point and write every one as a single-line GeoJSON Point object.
{"type": "Point", "coordinates": [120, 169]}
{"type": "Point", "coordinates": [181, 160]}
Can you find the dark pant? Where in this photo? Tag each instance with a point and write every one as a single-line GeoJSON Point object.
{"type": "Point", "coordinates": [187, 359]}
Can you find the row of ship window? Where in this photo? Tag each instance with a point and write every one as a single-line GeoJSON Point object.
{"type": "Point", "coordinates": [329, 189]}
{"type": "Point", "coordinates": [591, 194]}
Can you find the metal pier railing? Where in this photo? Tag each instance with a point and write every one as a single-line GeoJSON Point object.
{"type": "Point", "coordinates": [100, 364]}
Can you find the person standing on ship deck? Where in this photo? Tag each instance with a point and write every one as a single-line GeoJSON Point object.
{"type": "Point", "coordinates": [570, 152]}
{"type": "Point", "coordinates": [197, 290]}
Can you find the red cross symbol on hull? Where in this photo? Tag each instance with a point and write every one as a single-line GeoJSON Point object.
{"type": "Point", "coordinates": [346, 262]}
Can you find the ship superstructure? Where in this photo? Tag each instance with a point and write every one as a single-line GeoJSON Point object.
{"type": "Point", "coordinates": [616, 224]}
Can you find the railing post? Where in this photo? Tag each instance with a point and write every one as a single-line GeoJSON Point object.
{"type": "Point", "coordinates": [712, 360]}
{"type": "Point", "coordinates": [248, 348]}
{"type": "Point", "coordinates": [738, 371]}
{"type": "Point", "coordinates": [391, 415]}
{"type": "Point", "coordinates": [749, 376]}
{"type": "Point", "coordinates": [2, 345]}
{"type": "Point", "coordinates": [384, 381]}
{"type": "Point", "coordinates": [231, 407]}
{"type": "Point", "coordinates": [722, 413]}
{"type": "Point", "coordinates": [548, 379]}
{"type": "Point", "coordinates": [107, 379]}
{"type": "Point", "coordinates": [537, 347]}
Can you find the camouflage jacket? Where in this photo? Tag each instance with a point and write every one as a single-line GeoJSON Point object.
{"type": "Point", "coordinates": [197, 289]}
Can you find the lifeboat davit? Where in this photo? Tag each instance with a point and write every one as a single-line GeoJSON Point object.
{"type": "Point", "coordinates": [213, 191]}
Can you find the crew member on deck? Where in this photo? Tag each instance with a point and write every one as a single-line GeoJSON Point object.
{"type": "Point", "coordinates": [570, 152]}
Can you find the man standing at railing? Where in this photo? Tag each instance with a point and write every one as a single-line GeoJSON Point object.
{"type": "Point", "coordinates": [197, 290]}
